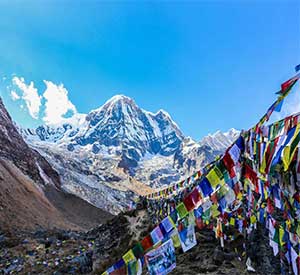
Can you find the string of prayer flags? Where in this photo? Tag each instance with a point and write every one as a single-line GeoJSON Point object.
{"type": "Point", "coordinates": [174, 188]}
{"type": "Point", "coordinates": [257, 176]}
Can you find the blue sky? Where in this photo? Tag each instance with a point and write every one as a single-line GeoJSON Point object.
{"type": "Point", "coordinates": [210, 64]}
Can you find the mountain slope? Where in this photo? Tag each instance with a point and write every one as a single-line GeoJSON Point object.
{"type": "Point", "coordinates": [30, 189]}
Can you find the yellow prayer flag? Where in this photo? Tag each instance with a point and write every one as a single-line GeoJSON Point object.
{"type": "Point", "coordinates": [232, 221]}
{"type": "Point", "coordinates": [129, 256]}
{"type": "Point", "coordinates": [239, 196]}
{"type": "Point", "coordinates": [213, 178]}
{"type": "Point", "coordinates": [289, 151]}
{"type": "Point", "coordinates": [175, 239]}
{"type": "Point", "coordinates": [263, 166]}
{"type": "Point", "coordinates": [298, 230]}
{"type": "Point", "coordinates": [253, 219]}
{"type": "Point", "coordinates": [281, 233]}
{"type": "Point", "coordinates": [214, 211]}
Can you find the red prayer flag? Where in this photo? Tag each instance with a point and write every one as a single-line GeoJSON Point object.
{"type": "Point", "coordinates": [250, 174]}
{"type": "Point", "coordinates": [289, 83]}
{"type": "Point", "coordinates": [147, 243]}
{"type": "Point", "coordinates": [192, 199]}
{"type": "Point", "coordinates": [120, 271]}
{"type": "Point", "coordinates": [228, 162]}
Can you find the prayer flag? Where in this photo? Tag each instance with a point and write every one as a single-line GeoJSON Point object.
{"type": "Point", "coordinates": [287, 86]}
{"type": "Point", "coordinates": [134, 268]}
{"type": "Point", "coordinates": [138, 250]}
{"type": "Point", "coordinates": [290, 149]}
{"type": "Point", "coordinates": [156, 235]}
{"type": "Point", "coordinates": [192, 199]}
{"type": "Point", "coordinates": [129, 256]}
{"type": "Point", "coordinates": [168, 224]}
{"type": "Point", "coordinates": [188, 238]}
{"type": "Point", "coordinates": [161, 260]}
{"type": "Point", "coordinates": [147, 243]}
{"type": "Point", "coordinates": [205, 187]}
{"type": "Point", "coordinates": [181, 210]}
{"type": "Point", "coordinates": [235, 153]}
{"type": "Point", "coordinates": [175, 238]}
{"type": "Point", "coordinates": [213, 177]}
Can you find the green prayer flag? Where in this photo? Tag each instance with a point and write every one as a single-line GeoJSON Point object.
{"type": "Point", "coordinates": [181, 210]}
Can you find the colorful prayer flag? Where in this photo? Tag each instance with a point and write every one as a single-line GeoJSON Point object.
{"type": "Point", "coordinates": [161, 260]}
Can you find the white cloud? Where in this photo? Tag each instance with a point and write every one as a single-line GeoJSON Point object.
{"type": "Point", "coordinates": [14, 95]}
{"type": "Point", "coordinates": [57, 103]}
{"type": "Point", "coordinates": [29, 95]}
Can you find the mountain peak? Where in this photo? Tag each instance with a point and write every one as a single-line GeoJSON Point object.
{"type": "Point", "coordinates": [119, 98]}
{"type": "Point", "coordinates": [232, 132]}
{"type": "Point", "coordinates": [162, 113]}
{"type": "Point", "coordinates": [219, 140]}
{"type": "Point", "coordinates": [116, 100]}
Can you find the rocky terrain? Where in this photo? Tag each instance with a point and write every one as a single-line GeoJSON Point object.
{"type": "Point", "coordinates": [92, 252]}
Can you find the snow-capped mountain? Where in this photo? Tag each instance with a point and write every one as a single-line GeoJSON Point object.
{"type": "Point", "coordinates": [218, 141]}
{"type": "Point", "coordinates": [119, 127]}
{"type": "Point", "coordinates": [119, 149]}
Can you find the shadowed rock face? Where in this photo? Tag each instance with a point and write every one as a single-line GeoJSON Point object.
{"type": "Point", "coordinates": [14, 148]}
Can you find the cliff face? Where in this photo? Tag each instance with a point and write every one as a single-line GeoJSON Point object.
{"type": "Point", "coordinates": [15, 149]}
{"type": "Point", "coordinates": [30, 189]}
